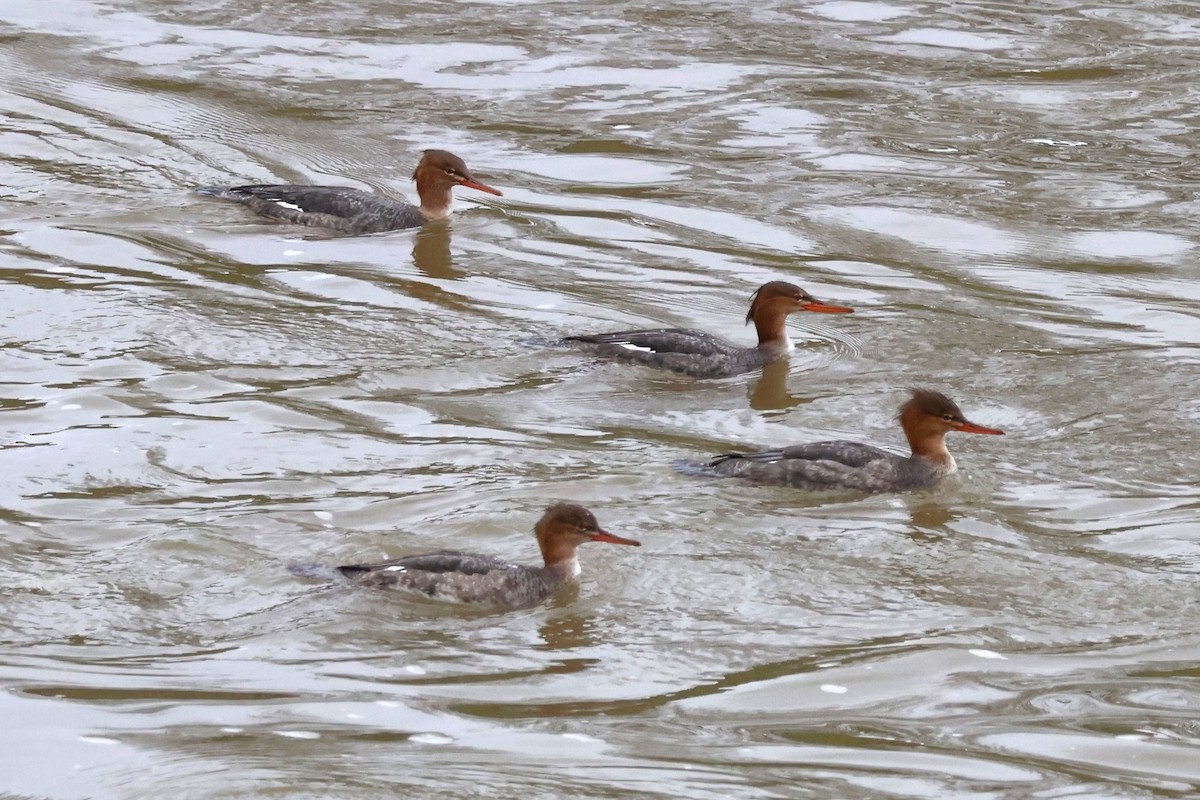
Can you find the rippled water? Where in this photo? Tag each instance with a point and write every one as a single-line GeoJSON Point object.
{"type": "Point", "coordinates": [193, 397]}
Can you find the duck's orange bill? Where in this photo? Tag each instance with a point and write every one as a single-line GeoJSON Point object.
{"type": "Point", "coordinates": [825, 308]}
{"type": "Point", "coordinates": [605, 536]}
{"type": "Point", "coordinates": [483, 187]}
{"type": "Point", "coordinates": [971, 427]}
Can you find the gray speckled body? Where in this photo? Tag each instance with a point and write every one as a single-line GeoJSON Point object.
{"type": "Point", "coordinates": [465, 578]}
{"type": "Point", "coordinates": [337, 207]}
{"type": "Point", "coordinates": [690, 352]}
{"type": "Point", "coordinates": [835, 465]}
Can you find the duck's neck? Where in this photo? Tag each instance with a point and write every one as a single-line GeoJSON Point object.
{"type": "Point", "coordinates": [932, 448]}
{"type": "Point", "coordinates": [437, 199]}
{"type": "Point", "coordinates": [558, 554]}
{"type": "Point", "coordinates": [772, 331]}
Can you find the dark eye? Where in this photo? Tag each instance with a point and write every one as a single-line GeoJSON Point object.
{"type": "Point", "coordinates": [949, 418]}
{"type": "Point", "coordinates": [451, 171]}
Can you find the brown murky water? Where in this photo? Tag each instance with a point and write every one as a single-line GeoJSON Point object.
{"type": "Point", "coordinates": [192, 397]}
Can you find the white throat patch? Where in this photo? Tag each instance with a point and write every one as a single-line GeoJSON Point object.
{"type": "Point", "coordinates": [439, 212]}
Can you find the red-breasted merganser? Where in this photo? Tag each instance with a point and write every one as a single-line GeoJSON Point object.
{"type": "Point", "coordinates": [704, 355]}
{"type": "Point", "coordinates": [486, 580]}
{"type": "Point", "coordinates": [926, 419]}
{"type": "Point", "coordinates": [353, 211]}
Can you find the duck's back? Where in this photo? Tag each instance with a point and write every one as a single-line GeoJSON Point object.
{"type": "Point", "coordinates": [681, 350]}
{"type": "Point", "coordinates": [458, 577]}
{"type": "Point", "coordinates": [338, 207]}
{"type": "Point", "coordinates": [830, 465]}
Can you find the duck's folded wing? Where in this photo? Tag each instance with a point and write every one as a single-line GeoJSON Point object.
{"type": "Point", "coordinates": [456, 577]}
{"type": "Point", "coordinates": [664, 341]}
{"type": "Point", "coordinates": [338, 201]}
{"type": "Point", "coordinates": [440, 562]}
{"type": "Point", "coordinates": [877, 475]}
{"type": "Point", "coordinates": [850, 454]}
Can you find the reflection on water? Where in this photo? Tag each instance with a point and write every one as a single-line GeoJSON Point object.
{"type": "Point", "coordinates": [769, 392]}
{"type": "Point", "coordinates": [431, 253]}
{"type": "Point", "coordinates": [193, 399]}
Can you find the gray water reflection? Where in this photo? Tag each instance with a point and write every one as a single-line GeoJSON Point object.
{"type": "Point", "coordinates": [193, 397]}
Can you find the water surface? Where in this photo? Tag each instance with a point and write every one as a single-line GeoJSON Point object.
{"type": "Point", "coordinates": [193, 397]}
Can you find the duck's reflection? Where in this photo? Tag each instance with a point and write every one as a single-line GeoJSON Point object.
{"type": "Point", "coordinates": [570, 631]}
{"type": "Point", "coordinates": [431, 255]}
{"type": "Point", "coordinates": [930, 518]}
{"type": "Point", "coordinates": [431, 252]}
{"type": "Point", "coordinates": [770, 391]}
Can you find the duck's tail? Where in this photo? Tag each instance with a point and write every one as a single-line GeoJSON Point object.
{"type": "Point", "coordinates": [695, 469]}
{"type": "Point", "coordinates": [320, 572]}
